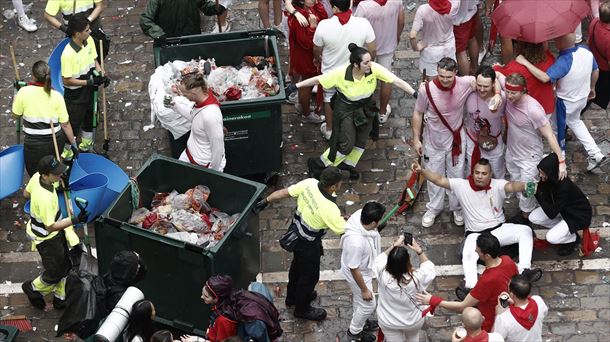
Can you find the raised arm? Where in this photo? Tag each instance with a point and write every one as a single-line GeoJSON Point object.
{"type": "Point", "coordinates": [539, 74]}
{"type": "Point", "coordinates": [433, 177]}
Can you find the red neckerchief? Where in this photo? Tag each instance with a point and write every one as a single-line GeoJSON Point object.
{"type": "Point", "coordinates": [440, 6]}
{"type": "Point", "coordinates": [443, 88]}
{"type": "Point", "coordinates": [344, 16]}
{"type": "Point", "coordinates": [476, 187]}
{"type": "Point", "coordinates": [526, 317]}
{"type": "Point", "coordinates": [481, 337]}
{"type": "Point", "coordinates": [381, 2]}
{"type": "Point", "coordinates": [209, 101]}
{"type": "Point", "coordinates": [38, 84]}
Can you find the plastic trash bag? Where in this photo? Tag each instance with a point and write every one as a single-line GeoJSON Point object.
{"type": "Point", "coordinates": [181, 201]}
{"type": "Point", "coordinates": [138, 216]}
{"type": "Point", "coordinates": [186, 221]}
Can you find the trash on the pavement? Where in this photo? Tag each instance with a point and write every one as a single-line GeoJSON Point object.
{"type": "Point", "coordinates": [187, 217]}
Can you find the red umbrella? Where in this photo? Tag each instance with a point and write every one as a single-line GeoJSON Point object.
{"type": "Point", "coordinates": [536, 21]}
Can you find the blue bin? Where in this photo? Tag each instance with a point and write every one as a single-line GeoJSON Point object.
{"type": "Point", "coordinates": [88, 163]}
{"type": "Point", "coordinates": [11, 170]}
{"type": "Point", "coordinates": [55, 65]}
{"type": "Point", "coordinates": [92, 188]}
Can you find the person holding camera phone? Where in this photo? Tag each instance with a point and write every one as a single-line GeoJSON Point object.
{"type": "Point", "coordinates": [520, 317]}
{"type": "Point", "coordinates": [360, 245]}
{"type": "Point", "coordinates": [400, 317]}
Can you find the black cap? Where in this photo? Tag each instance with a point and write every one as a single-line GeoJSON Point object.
{"type": "Point", "coordinates": [330, 176]}
{"type": "Point", "coordinates": [50, 165]}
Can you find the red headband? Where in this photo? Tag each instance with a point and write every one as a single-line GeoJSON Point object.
{"type": "Point", "coordinates": [514, 88]}
{"type": "Point", "coordinates": [207, 284]}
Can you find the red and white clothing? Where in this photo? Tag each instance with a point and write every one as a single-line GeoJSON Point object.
{"type": "Point", "coordinates": [437, 35]}
{"type": "Point", "coordinates": [542, 92]}
{"type": "Point", "coordinates": [437, 139]}
{"type": "Point", "coordinates": [493, 281]}
{"type": "Point", "coordinates": [524, 146]}
{"type": "Point", "coordinates": [484, 336]}
{"type": "Point", "coordinates": [384, 20]}
{"type": "Point", "coordinates": [465, 21]}
{"type": "Point", "coordinates": [532, 314]}
{"type": "Point", "coordinates": [478, 115]}
{"type": "Point", "coordinates": [205, 146]}
{"type": "Point", "coordinates": [483, 210]}
{"type": "Point", "coordinates": [398, 313]}
{"type": "Point", "coordinates": [301, 41]}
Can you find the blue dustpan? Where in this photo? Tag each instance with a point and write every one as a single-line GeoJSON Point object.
{"type": "Point", "coordinates": [55, 64]}
{"type": "Point", "coordinates": [88, 163]}
{"type": "Point", "coordinates": [11, 170]}
{"type": "Point", "coordinates": [92, 188]}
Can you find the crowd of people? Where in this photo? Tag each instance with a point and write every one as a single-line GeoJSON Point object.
{"type": "Point", "coordinates": [471, 125]}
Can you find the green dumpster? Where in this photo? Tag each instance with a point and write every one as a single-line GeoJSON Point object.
{"type": "Point", "coordinates": [176, 269]}
{"type": "Point", "coordinates": [8, 333]}
{"type": "Point", "coordinates": [253, 144]}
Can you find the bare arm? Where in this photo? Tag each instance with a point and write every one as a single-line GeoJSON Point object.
{"type": "Point", "coordinates": [52, 20]}
{"type": "Point", "coordinates": [416, 125]}
{"type": "Point", "coordinates": [547, 132]}
{"type": "Point", "coordinates": [317, 53]}
{"type": "Point", "coordinates": [366, 293]}
{"type": "Point", "coordinates": [99, 7]}
{"type": "Point", "coordinates": [404, 86]}
{"type": "Point", "coordinates": [469, 301]}
{"type": "Point", "coordinates": [310, 82]}
{"type": "Point", "coordinates": [594, 78]}
{"type": "Point", "coordinates": [401, 23]}
{"type": "Point", "coordinates": [539, 74]}
{"type": "Point", "coordinates": [278, 195]}
{"type": "Point", "coordinates": [372, 47]}
{"type": "Point", "coordinates": [413, 40]}
{"type": "Point", "coordinates": [300, 18]}
{"type": "Point", "coordinates": [514, 187]}
{"type": "Point", "coordinates": [60, 225]}
{"type": "Point", "coordinates": [433, 177]}
{"type": "Point", "coordinates": [67, 128]}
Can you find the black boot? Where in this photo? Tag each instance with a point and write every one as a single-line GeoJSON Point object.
{"type": "Point", "coordinates": [371, 324]}
{"type": "Point", "coordinates": [568, 248]}
{"type": "Point", "coordinates": [353, 174]}
{"type": "Point", "coordinates": [36, 298]}
{"type": "Point", "coordinates": [59, 304]}
{"type": "Point", "coordinates": [363, 336]}
{"type": "Point", "coordinates": [312, 314]}
{"type": "Point", "coordinates": [533, 275]}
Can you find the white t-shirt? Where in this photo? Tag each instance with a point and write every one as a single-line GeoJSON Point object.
{"type": "Point", "coordinates": [334, 38]}
{"type": "Point", "coordinates": [358, 248]}
{"type": "Point", "coordinates": [397, 307]}
{"type": "Point", "coordinates": [524, 118]}
{"type": "Point", "coordinates": [482, 209]}
{"type": "Point", "coordinates": [465, 10]}
{"type": "Point", "coordinates": [507, 326]}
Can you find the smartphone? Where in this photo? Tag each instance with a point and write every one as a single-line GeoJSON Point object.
{"type": "Point", "coordinates": [408, 238]}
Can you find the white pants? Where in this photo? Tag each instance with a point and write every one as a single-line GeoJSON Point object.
{"type": "Point", "coordinates": [403, 335]}
{"type": "Point", "coordinates": [441, 162]}
{"type": "Point", "coordinates": [362, 309]}
{"type": "Point", "coordinates": [385, 60]}
{"type": "Point", "coordinates": [578, 127]}
{"type": "Point", "coordinates": [495, 157]}
{"type": "Point", "coordinates": [523, 171]}
{"type": "Point", "coordinates": [507, 234]}
{"type": "Point", "coordinates": [559, 232]}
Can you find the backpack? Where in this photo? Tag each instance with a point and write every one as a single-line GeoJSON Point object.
{"type": "Point", "coordinates": [252, 306]}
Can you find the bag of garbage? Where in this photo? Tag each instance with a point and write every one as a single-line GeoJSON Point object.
{"type": "Point", "coordinates": [138, 216]}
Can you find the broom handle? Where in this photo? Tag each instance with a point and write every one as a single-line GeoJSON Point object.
{"type": "Point", "coordinates": [17, 78]}
{"type": "Point", "coordinates": [14, 62]}
{"type": "Point", "coordinates": [218, 17]}
{"type": "Point", "coordinates": [68, 204]}
{"type": "Point", "coordinates": [103, 91]}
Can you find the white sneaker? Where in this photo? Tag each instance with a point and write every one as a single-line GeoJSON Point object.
{"type": "Point", "coordinates": [225, 28]}
{"type": "Point", "coordinates": [458, 219]}
{"type": "Point", "coordinates": [383, 118]}
{"type": "Point", "coordinates": [293, 98]}
{"type": "Point", "coordinates": [326, 134]}
{"type": "Point", "coordinates": [428, 220]}
{"type": "Point", "coordinates": [312, 118]}
{"type": "Point", "coordinates": [482, 55]}
{"type": "Point", "coordinates": [27, 24]}
{"type": "Point", "coordinates": [595, 161]}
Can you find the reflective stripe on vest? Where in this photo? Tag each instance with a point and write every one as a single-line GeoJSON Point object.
{"type": "Point", "coordinates": [40, 126]}
{"type": "Point", "coordinates": [39, 229]}
{"type": "Point", "coordinates": [305, 231]}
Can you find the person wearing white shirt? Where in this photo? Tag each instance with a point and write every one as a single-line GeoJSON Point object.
{"type": "Point", "coordinates": [522, 320]}
{"type": "Point", "coordinates": [360, 245]}
{"type": "Point", "coordinates": [399, 315]}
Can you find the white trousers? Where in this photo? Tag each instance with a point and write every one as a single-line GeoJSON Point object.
{"type": "Point", "coordinates": [523, 171]}
{"type": "Point", "coordinates": [440, 162]}
{"type": "Point", "coordinates": [403, 335]}
{"type": "Point", "coordinates": [559, 232]}
{"type": "Point", "coordinates": [507, 234]}
{"type": "Point", "coordinates": [362, 309]}
{"type": "Point", "coordinates": [495, 157]}
{"type": "Point", "coordinates": [578, 127]}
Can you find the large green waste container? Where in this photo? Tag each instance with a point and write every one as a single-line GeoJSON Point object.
{"type": "Point", "coordinates": [254, 142]}
{"type": "Point", "coordinates": [8, 333]}
{"type": "Point", "coordinates": [177, 270]}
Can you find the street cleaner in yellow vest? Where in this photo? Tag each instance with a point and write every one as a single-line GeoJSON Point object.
{"type": "Point", "coordinates": [316, 213]}
{"type": "Point", "coordinates": [353, 107]}
{"type": "Point", "coordinates": [47, 228]}
{"type": "Point", "coordinates": [81, 76]}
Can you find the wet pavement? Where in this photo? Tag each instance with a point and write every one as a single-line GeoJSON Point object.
{"type": "Point", "coordinates": [576, 289]}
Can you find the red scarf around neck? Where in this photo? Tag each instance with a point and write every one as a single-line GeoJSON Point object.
{"type": "Point", "coordinates": [209, 101]}
{"type": "Point", "coordinates": [443, 88]}
{"type": "Point", "coordinates": [344, 16]}
{"type": "Point", "coordinates": [526, 317]}
{"type": "Point", "coordinates": [440, 6]}
{"type": "Point", "coordinates": [476, 187]}
{"type": "Point", "coordinates": [483, 336]}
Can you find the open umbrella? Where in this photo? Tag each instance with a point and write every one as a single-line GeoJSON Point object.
{"type": "Point", "coordinates": [536, 21]}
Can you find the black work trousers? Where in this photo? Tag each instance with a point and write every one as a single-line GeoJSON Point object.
{"type": "Point", "coordinates": [35, 148]}
{"type": "Point", "coordinates": [81, 116]}
{"type": "Point", "coordinates": [55, 258]}
{"type": "Point", "coordinates": [304, 273]}
{"type": "Point", "coordinates": [177, 146]}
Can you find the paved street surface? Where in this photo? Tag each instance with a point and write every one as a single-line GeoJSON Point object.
{"type": "Point", "coordinates": [576, 289]}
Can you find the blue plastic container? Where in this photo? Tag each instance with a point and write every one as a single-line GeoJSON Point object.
{"type": "Point", "coordinates": [11, 170]}
{"type": "Point", "coordinates": [55, 64]}
{"type": "Point", "coordinates": [92, 188]}
{"type": "Point", "coordinates": [88, 163]}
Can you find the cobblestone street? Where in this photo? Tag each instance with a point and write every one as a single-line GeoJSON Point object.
{"type": "Point", "coordinates": [576, 289]}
